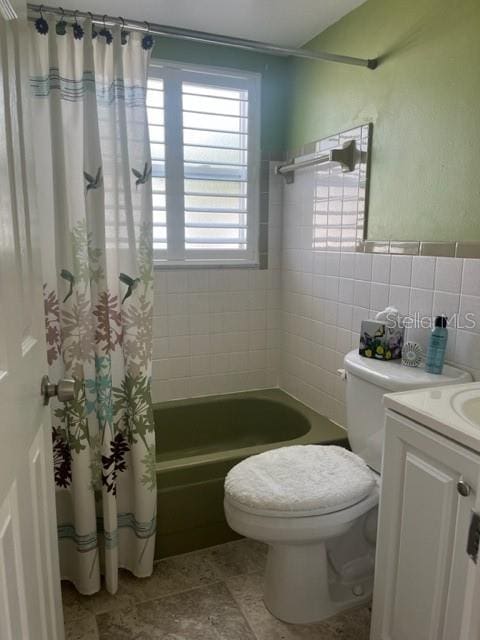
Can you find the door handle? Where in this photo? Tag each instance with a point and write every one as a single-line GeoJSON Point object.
{"type": "Point", "coordinates": [64, 390]}
{"type": "Point", "coordinates": [473, 541]}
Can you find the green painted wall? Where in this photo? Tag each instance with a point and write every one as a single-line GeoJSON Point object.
{"type": "Point", "coordinates": [424, 101]}
{"type": "Point", "coordinates": [275, 80]}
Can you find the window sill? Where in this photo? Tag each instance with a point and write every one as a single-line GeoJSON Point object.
{"type": "Point", "coordinates": [169, 266]}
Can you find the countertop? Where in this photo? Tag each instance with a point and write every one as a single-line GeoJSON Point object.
{"type": "Point", "coordinates": [439, 409]}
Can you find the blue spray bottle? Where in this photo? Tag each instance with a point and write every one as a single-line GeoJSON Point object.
{"type": "Point", "coordinates": [437, 346]}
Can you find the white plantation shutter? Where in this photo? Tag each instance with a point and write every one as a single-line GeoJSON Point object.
{"type": "Point", "coordinates": [204, 129]}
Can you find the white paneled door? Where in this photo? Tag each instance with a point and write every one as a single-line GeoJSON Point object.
{"type": "Point", "coordinates": [30, 600]}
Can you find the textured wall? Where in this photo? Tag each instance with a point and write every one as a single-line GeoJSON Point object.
{"type": "Point", "coordinates": [423, 100]}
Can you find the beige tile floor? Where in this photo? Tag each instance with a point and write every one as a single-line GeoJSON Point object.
{"type": "Point", "coordinates": [212, 594]}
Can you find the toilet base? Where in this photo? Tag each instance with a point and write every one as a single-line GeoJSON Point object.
{"type": "Point", "coordinates": [301, 586]}
{"type": "Point", "coordinates": [317, 565]}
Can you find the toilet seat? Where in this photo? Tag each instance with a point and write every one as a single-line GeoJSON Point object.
{"type": "Point", "coordinates": [357, 508]}
{"type": "Point", "coordinates": [299, 481]}
{"type": "Point", "coordinates": [292, 528]}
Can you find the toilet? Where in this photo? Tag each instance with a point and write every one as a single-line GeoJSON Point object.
{"type": "Point", "coordinates": [315, 506]}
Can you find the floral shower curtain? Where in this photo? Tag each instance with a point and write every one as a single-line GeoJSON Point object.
{"type": "Point", "coordinates": [94, 195]}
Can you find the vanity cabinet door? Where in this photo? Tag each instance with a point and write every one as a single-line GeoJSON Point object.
{"type": "Point", "coordinates": [422, 566]}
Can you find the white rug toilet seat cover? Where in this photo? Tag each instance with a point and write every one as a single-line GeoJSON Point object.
{"type": "Point", "coordinates": [300, 479]}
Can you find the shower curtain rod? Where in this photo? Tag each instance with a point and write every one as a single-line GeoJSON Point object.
{"type": "Point", "coordinates": [207, 38]}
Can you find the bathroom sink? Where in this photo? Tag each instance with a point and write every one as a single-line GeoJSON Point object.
{"type": "Point", "coordinates": [466, 404]}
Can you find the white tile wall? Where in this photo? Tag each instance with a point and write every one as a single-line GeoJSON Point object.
{"type": "Point", "coordinates": [325, 295]}
{"type": "Point", "coordinates": [217, 330]}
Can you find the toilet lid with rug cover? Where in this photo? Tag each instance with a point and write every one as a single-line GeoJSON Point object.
{"type": "Point", "coordinates": [300, 479]}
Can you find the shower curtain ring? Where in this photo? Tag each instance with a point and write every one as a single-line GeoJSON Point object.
{"type": "Point", "coordinates": [147, 40]}
{"type": "Point", "coordinates": [41, 25]}
{"type": "Point", "coordinates": [123, 33]}
{"type": "Point", "coordinates": [94, 32]}
{"type": "Point", "coordinates": [105, 32]}
{"type": "Point", "coordinates": [78, 31]}
{"type": "Point", "coordinates": [61, 27]}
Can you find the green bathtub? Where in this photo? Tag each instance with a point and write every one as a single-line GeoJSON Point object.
{"type": "Point", "coordinates": [199, 440]}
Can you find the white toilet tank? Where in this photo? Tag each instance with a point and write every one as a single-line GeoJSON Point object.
{"type": "Point", "coordinates": [367, 380]}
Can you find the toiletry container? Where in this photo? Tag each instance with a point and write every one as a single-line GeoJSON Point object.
{"type": "Point", "coordinates": [437, 346]}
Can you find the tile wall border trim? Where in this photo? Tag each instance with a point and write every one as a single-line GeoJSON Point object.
{"type": "Point", "coordinates": [418, 248]}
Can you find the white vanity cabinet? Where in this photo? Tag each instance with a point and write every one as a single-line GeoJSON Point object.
{"type": "Point", "coordinates": [426, 584]}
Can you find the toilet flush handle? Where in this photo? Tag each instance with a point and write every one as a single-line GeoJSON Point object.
{"type": "Point", "coordinates": [342, 373]}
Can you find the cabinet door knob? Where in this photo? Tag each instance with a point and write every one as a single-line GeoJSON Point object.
{"type": "Point", "coordinates": [463, 488]}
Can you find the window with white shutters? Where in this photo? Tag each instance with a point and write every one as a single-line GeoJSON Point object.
{"type": "Point", "coordinates": [205, 142]}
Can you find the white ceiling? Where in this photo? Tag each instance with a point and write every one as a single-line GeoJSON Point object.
{"type": "Point", "coordinates": [290, 23]}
